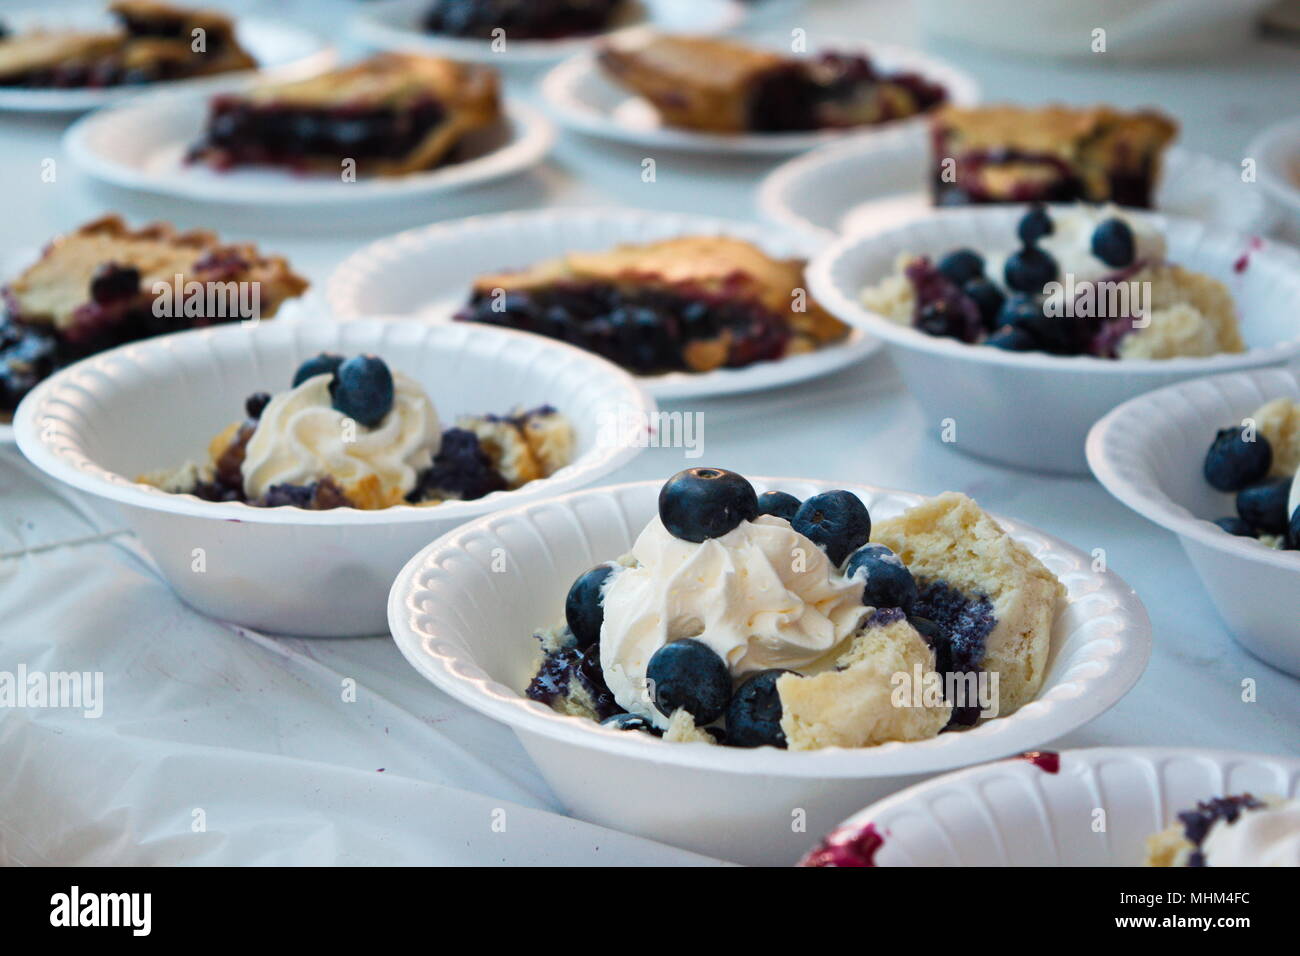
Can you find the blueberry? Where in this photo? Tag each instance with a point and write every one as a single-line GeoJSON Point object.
{"type": "Point", "coordinates": [1232, 463]}
{"type": "Point", "coordinates": [1063, 335]}
{"type": "Point", "coordinates": [324, 364]}
{"type": "Point", "coordinates": [1012, 338]}
{"type": "Point", "coordinates": [1029, 269]}
{"type": "Point", "coordinates": [837, 521]}
{"type": "Point", "coordinates": [1020, 310]}
{"type": "Point", "coordinates": [886, 582]}
{"type": "Point", "coordinates": [256, 403]}
{"type": "Point", "coordinates": [583, 608]}
{"type": "Point", "coordinates": [1113, 244]}
{"type": "Point", "coordinates": [940, 318]}
{"type": "Point", "coordinates": [988, 298]}
{"type": "Point", "coordinates": [778, 503]}
{"type": "Point", "coordinates": [112, 282]}
{"type": "Point", "coordinates": [1235, 525]}
{"type": "Point", "coordinates": [962, 266]}
{"type": "Point", "coordinates": [937, 638]}
{"type": "Point", "coordinates": [630, 722]}
{"type": "Point", "coordinates": [363, 389]}
{"type": "Point", "coordinates": [687, 674]}
{"type": "Point", "coordinates": [702, 503]}
{"type": "Point", "coordinates": [754, 717]}
{"type": "Point", "coordinates": [1034, 225]}
{"type": "Point", "coordinates": [1293, 532]}
{"type": "Point", "coordinates": [1263, 506]}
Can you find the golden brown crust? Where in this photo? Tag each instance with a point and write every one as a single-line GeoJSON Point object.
{"type": "Point", "coordinates": [56, 285]}
{"type": "Point", "coordinates": [694, 82]}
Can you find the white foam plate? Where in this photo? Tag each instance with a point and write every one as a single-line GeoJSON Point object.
{"type": "Point", "coordinates": [142, 146]}
{"type": "Point", "coordinates": [282, 50]}
{"type": "Point", "coordinates": [873, 184]}
{"type": "Point", "coordinates": [1276, 152]}
{"type": "Point", "coordinates": [394, 25]}
{"type": "Point", "coordinates": [1012, 813]}
{"type": "Point", "coordinates": [582, 97]}
{"type": "Point", "coordinates": [428, 271]}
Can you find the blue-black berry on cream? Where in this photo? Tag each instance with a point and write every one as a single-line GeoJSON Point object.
{"type": "Point", "coordinates": [1263, 506]}
{"type": "Point", "coordinates": [363, 389]}
{"type": "Point", "coordinates": [962, 266]}
{"type": "Point", "coordinates": [754, 716]}
{"type": "Point", "coordinates": [1034, 225]}
{"type": "Point", "coordinates": [837, 521]}
{"type": "Point", "coordinates": [688, 675]}
{"type": "Point", "coordinates": [702, 503]}
{"type": "Point", "coordinates": [778, 503]}
{"type": "Point", "coordinates": [1113, 243]}
{"type": "Point", "coordinates": [326, 363]}
{"type": "Point", "coordinates": [886, 582]}
{"type": "Point", "coordinates": [583, 608]}
{"type": "Point", "coordinates": [1237, 458]}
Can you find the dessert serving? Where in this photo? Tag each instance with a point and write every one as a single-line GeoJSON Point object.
{"type": "Point", "coordinates": [1079, 280]}
{"type": "Point", "coordinates": [721, 86]}
{"type": "Point", "coordinates": [695, 303]}
{"type": "Point", "coordinates": [1237, 830]}
{"type": "Point", "coordinates": [155, 41]}
{"type": "Point", "coordinates": [107, 284]}
{"type": "Point", "coordinates": [751, 621]}
{"type": "Point", "coordinates": [524, 19]}
{"type": "Point", "coordinates": [391, 114]}
{"type": "Point", "coordinates": [991, 154]}
{"type": "Point", "coordinates": [351, 433]}
{"type": "Point", "coordinates": [1258, 460]}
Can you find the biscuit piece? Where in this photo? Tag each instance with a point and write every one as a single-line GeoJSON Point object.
{"type": "Point", "coordinates": [854, 704]}
{"type": "Point", "coordinates": [1191, 314]}
{"type": "Point", "coordinates": [683, 730]}
{"type": "Point", "coordinates": [1279, 422]}
{"type": "Point", "coordinates": [950, 540]}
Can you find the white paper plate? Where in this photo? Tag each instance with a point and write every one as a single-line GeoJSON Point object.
{"type": "Point", "coordinates": [394, 25]}
{"type": "Point", "coordinates": [469, 631]}
{"type": "Point", "coordinates": [282, 50]}
{"type": "Point", "coordinates": [581, 97]}
{"type": "Point", "coordinates": [142, 146]}
{"type": "Point", "coordinates": [868, 185]}
{"type": "Point", "coordinates": [428, 272]}
{"type": "Point", "coordinates": [1012, 813]}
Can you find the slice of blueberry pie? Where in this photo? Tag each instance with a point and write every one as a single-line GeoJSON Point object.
{"type": "Point", "coordinates": [524, 19]}
{"type": "Point", "coordinates": [694, 303]}
{"type": "Point", "coordinates": [393, 114]}
{"type": "Point", "coordinates": [707, 632]}
{"type": "Point", "coordinates": [352, 433]}
{"type": "Point", "coordinates": [722, 86]}
{"type": "Point", "coordinates": [991, 154]}
{"type": "Point", "coordinates": [155, 41]}
{"type": "Point", "coordinates": [1086, 280]}
{"type": "Point", "coordinates": [107, 284]}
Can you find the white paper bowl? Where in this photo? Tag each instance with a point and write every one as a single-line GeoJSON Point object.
{"type": "Point", "coordinates": [469, 631]}
{"type": "Point", "coordinates": [582, 97]}
{"type": "Point", "coordinates": [156, 404]}
{"type": "Point", "coordinates": [428, 272]}
{"type": "Point", "coordinates": [1031, 409]}
{"type": "Point", "coordinates": [1149, 454]}
{"type": "Point", "coordinates": [1276, 152]}
{"type": "Point", "coordinates": [1011, 813]}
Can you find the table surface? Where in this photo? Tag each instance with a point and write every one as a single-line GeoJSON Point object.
{"type": "Point", "coordinates": [221, 746]}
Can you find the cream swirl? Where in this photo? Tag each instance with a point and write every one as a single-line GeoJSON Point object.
{"type": "Point", "coordinates": [760, 596]}
{"type": "Point", "coordinates": [1268, 836]}
{"type": "Point", "coordinates": [301, 438]}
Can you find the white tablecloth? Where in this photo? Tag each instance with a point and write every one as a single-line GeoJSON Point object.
{"type": "Point", "coordinates": [221, 746]}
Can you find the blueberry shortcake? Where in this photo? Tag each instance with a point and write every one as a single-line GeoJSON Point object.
{"type": "Point", "coordinates": [1238, 830]}
{"type": "Point", "coordinates": [351, 433]}
{"type": "Point", "coordinates": [1085, 280]}
{"type": "Point", "coordinates": [1258, 460]}
{"type": "Point", "coordinates": [752, 620]}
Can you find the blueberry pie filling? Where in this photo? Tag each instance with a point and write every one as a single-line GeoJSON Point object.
{"type": "Point", "coordinates": [1257, 460]}
{"type": "Point", "coordinates": [996, 154]}
{"type": "Point", "coordinates": [94, 289]}
{"type": "Point", "coordinates": [1084, 280]}
{"type": "Point", "coordinates": [692, 304]}
{"type": "Point", "coordinates": [155, 41]}
{"type": "Point", "coordinates": [722, 86]}
{"type": "Point", "coordinates": [391, 114]}
{"type": "Point", "coordinates": [1233, 830]}
{"type": "Point", "coordinates": [751, 621]}
{"type": "Point", "coordinates": [352, 433]}
{"type": "Point", "coordinates": [523, 19]}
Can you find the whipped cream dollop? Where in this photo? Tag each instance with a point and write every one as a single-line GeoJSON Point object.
{"type": "Point", "coordinates": [1070, 243]}
{"type": "Point", "coordinates": [301, 438]}
{"type": "Point", "coordinates": [760, 596]}
{"type": "Point", "coordinates": [1269, 836]}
